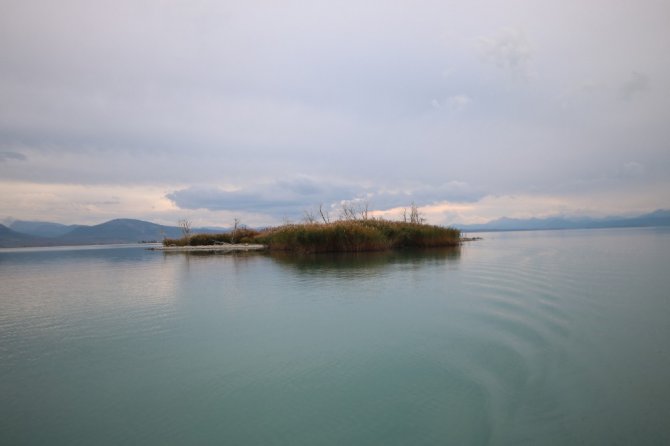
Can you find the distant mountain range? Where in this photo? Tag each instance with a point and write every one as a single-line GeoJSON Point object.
{"type": "Point", "coordinates": [11, 239]}
{"type": "Point", "coordinates": [656, 218]}
{"type": "Point", "coordinates": [35, 233]}
{"type": "Point", "coordinates": [41, 228]}
{"type": "Point", "coordinates": [123, 230]}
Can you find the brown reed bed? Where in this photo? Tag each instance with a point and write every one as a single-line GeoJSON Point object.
{"type": "Point", "coordinates": [339, 236]}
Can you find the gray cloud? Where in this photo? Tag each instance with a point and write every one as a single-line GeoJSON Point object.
{"type": "Point", "coordinates": [285, 197]}
{"type": "Point", "coordinates": [281, 107]}
{"type": "Point", "coordinates": [217, 199]}
{"type": "Point", "coordinates": [291, 197]}
{"type": "Point", "coordinates": [636, 84]}
{"type": "Point", "coordinates": [509, 50]}
{"type": "Point", "coordinates": [632, 169]}
{"type": "Point", "coordinates": [457, 102]}
{"type": "Point", "coordinates": [12, 156]}
{"type": "Point", "coordinates": [113, 201]}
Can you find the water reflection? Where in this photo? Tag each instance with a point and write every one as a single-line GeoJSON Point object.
{"type": "Point", "coordinates": [193, 258]}
{"type": "Point", "coordinates": [365, 261]}
{"type": "Point", "coordinates": [360, 264]}
{"type": "Point", "coordinates": [82, 282]}
{"type": "Point", "coordinates": [518, 339]}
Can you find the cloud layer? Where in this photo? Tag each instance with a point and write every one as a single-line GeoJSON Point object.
{"type": "Point", "coordinates": [217, 108]}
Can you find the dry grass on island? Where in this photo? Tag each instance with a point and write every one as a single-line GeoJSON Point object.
{"type": "Point", "coordinates": [356, 236]}
{"type": "Point", "coordinates": [350, 235]}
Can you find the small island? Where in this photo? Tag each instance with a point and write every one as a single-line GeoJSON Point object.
{"type": "Point", "coordinates": [353, 235]}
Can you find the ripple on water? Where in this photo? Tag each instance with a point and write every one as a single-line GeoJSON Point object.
{"type": "Point", "coordinates": [519, 330]}
{"type": "Point", "coordinates": [522, 345]}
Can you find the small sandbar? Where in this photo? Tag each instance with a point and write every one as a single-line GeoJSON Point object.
{"type": "Point", "coordinates": [222, 247]}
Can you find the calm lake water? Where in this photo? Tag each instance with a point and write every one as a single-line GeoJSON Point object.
{"type": "Point", "coordinates": [538, 338]}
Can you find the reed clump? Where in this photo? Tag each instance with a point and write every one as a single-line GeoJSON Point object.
{"type": "Point", "coordinates": [240, 235]}
{"type": "Point", "coordinates": [339, 236]}
{"type": "Point", "coordinates": [357, 236]}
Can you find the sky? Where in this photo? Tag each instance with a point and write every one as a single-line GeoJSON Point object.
{"type": "Point", "coordinates": [262, 110]}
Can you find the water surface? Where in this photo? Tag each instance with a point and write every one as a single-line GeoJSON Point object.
{"type": "Point", "coordinates": [548, 337]}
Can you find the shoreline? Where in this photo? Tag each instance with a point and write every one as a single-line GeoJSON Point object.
{"type": "Point", "coordinates": [223, 248]}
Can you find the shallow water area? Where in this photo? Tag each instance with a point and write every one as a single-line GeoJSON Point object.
{"type": "Point", "coordinates": [547, 337]}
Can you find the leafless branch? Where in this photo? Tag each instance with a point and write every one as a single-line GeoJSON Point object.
{"type": "Point", "coordinates": [186, 226]}
{"type": "Point", "coordinates": [233, 234]}
{"type": "Point", "coordinates": [415, 215]}
{"type": "Point", "coordinates": [325, 216]}
{"type": "Point", "coordinates": [309, 216]}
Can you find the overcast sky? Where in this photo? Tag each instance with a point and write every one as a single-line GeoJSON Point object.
{"type": "Point", "coordinates": [211, 110]}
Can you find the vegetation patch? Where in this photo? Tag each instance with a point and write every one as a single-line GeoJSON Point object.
{"type": "Point", "coordinates": [338, 236]}
{"type": "Point", "coordinates": [240, 235]}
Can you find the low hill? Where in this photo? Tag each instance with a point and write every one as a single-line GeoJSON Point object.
{"type": "Point", "coordinates": [122, 230]}
{"type": "Point", "coordinates": [656, 218]}
{"type": "Point", "coordinates": [41, 228]}
{"type": "Point", "coordinates": [12, 239]}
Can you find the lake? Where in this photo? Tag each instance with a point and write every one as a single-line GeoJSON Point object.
{"type": "Point", "coordinates": [538, 338]}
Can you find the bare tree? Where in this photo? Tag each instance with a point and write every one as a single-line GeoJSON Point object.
{"type": "Point", "coordinates": [233, 234]}
{"type": "Point", "coordinates": [348, 211]}
{"type": "Point", "coordinates": [355, 210]}
{"type": "Point", "coordinates": [186, 226]}
{"type": "Point", "coordinates": [414, 215]}
{"type": "Point", "coordinates": [364, 209]}
{"type": "Point", "coordinates": [325, 216]}
{"type": "Point", "coordinates": [309, 216]}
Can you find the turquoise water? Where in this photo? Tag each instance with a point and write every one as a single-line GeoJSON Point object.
{"type": "Point", "coordinates": [550, 337]}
